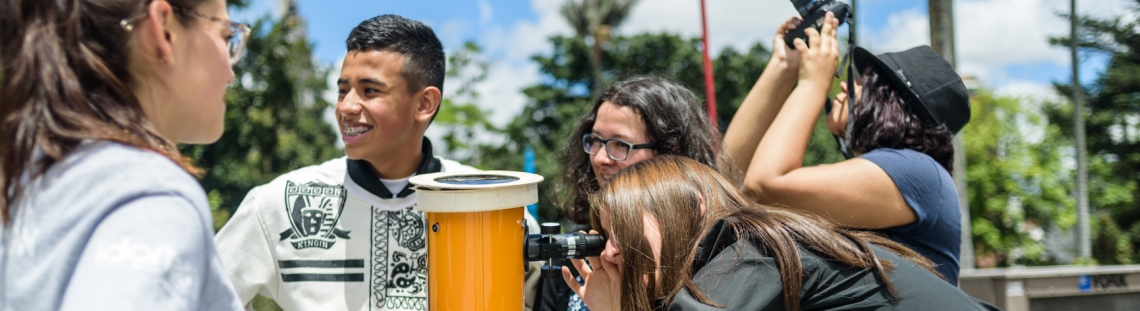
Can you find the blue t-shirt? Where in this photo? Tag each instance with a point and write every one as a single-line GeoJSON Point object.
{"type": "Point", "coordinates": [929, 190]}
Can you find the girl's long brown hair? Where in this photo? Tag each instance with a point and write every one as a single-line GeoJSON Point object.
{"type": "Point", "coordinates": [671, 189]}
{"type": "Point", "coordinates": [66, 80]}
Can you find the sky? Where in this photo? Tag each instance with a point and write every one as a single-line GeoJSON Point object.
{"type": "Point", "coordinates": [1003, 43]}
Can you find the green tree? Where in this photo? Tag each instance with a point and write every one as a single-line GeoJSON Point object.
{"type": "Point", "coordinates": [596, 19]}
{"type": "Point", "coordinates": [1016, 184]}
{"type": "Point", "coordinates": [1112, 125]}
{"type": "Point", "coordinates": [272, 117]}
{"type": "Point", "coordinates": [462, 121]}
{"type": "Point", "coordinates": [556, 104]}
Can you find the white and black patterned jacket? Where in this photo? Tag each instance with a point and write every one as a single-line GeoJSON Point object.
{"type": "Point", "coordinates": [332, 237]}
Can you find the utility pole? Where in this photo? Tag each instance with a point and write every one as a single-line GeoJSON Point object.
{"type": "Point", "coordinates": [942, 40]}
{"type": "Point", "coordinates": [710, 87]}
{"type": "Point", "coordinates": [1083, 235]}
{"type": "Point", "coordinates": [287, 11]}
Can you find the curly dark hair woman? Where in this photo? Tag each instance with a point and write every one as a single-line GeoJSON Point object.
{"type": "Point", "coordinates": [632, 121]}
{"type": "Point", "coordinates": [897, 178]}
{"type": "Point", "coordinates": [665, 117]}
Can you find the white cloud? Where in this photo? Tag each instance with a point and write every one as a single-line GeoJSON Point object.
{"type": "Point", "coordinates": [1033, 96]}
{"type": "Point", "coordinates": [485, 12]}
{"type": "Point", "coordinates": [451, 32]}
{"type": "Point", "coordinates": [510, 51]}
{"type": "Point", "coordinates": [735, 23]}
{"type": "Point", "coordinates": [1033, 91]}
{"type": "Point", "coordinates": [503, 96]}
{"type": "Point", "coordinates": [904, 29]}
{"type": "Point", "coordinates": [996, 33]}
{"type": "Point", "coordinates": [990, 34]}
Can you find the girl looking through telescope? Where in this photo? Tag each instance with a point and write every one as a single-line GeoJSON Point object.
{"type": "Point", "coordinates": [682, 237]}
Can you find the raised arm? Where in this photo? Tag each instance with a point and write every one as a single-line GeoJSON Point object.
{"type": "Point", "coordinates": [853, 193]}
{"type": "Point", "coordinates": [763, 102]}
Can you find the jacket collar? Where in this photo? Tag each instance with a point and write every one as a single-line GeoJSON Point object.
{"type": "Point", "coordinates": [716, 239]}
{"type": "Point", "coordinates": [361, 173]}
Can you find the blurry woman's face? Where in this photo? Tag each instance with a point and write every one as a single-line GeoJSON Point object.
{"type": "Point", "coordinates": [624, 124]}
{"type": "Point", "coordinates": [201, 73]}
{"type": "Point", "coordinates": [652, 233]}
{"type": "Point", "coordinates": [836, 121]}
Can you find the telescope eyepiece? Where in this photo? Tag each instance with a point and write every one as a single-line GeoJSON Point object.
{"type": "Point", "coordinates": [540, 247]}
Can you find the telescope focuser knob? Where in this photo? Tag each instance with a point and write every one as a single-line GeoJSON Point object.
{"type": "Point", "coordinates": [550, 228]}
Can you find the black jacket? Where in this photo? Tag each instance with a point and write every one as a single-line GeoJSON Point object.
{"type": "Point", "coordinates": [738, 276]}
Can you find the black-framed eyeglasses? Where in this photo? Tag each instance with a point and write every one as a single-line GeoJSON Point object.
{"type": "Point", "coordinates": [235, 43]}
{"type": "Point", "coordinates": [617, 150]}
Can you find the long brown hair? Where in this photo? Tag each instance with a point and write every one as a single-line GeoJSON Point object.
{"type": "Point", "coordinates": [675, 121]}
{"type": "Point", "coordinates": [671, 189]}
{"type": "Point", "coordinates": [66, 80]}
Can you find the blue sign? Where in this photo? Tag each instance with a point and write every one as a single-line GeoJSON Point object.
{"type": "Point", "coordinates": [529, 167]}
{"type": "Point", "coordinates": [1084, 282]}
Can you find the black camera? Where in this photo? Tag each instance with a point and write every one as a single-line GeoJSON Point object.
{"type": "Point", "coordinates": [553, 245]}
{"type": "Point", "coordinates": [813, 12]}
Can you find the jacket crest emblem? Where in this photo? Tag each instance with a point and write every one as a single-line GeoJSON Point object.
{"type": "Point", "coordinates": [313, 210]}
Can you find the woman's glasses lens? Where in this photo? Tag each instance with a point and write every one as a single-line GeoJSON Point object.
{"type": "Point", "coordinates": [237, 43]}
{"type": "Point", "coordinates": [617, 150]}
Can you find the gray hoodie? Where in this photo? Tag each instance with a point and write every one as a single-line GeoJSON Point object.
{"type": "Point", "coordinates": [112, 227]}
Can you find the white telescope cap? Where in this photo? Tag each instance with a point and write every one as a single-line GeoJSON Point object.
{"type": "Point", "coordinates": [475, 191]}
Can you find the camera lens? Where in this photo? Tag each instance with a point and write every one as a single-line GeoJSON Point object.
{"type": "Point", "coordinates": [564, 245]}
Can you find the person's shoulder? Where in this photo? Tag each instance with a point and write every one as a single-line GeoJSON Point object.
{"type": "Point", "coordinates": [99, 177]}
{"type": "Point", "coordinates": [904, 155]}
{"type": "Point", "coordinates": [330, 173]}
{"type": "Point", "coordinates": [905, 161]}
{"type": "Point", "coordinates": [332, 170]}
{"type": "Point", "coordinates": [124, 168]}
{"type": "Point", "coordinates": [453, 166]}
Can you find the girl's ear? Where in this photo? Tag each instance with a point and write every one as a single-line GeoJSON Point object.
{"type": "Point", "coordinates": [702, 198]}
{"type": "Point", "coordinates": [156, 35]}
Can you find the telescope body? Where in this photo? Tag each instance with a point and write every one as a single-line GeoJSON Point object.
{"type": "Point", "coordinates": [475, 236]}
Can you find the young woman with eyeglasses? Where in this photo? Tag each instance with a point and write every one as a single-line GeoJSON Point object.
{"type": "Point", "coordinates": [98, 209]}
{"type": "Point", "coordinates": [632, 121]}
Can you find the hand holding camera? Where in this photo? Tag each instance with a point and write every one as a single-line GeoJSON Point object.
{"type": "Point", "coordinates": [785, 57]}
{"type": "Point", "coordinates": [814, 12]}
{"type": "Point", "coordinates": [820, 58]}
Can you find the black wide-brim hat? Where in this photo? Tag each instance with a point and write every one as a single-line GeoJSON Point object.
{"type": "Point", "coordinates": [929, 84]}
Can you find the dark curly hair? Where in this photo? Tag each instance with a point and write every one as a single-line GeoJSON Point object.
{"type": "Point", "coordinates": [884, 119]}
{"type": "Point", "coordinates": [424, 60]}
{"type": "Point", "coordinates": [675, 121]}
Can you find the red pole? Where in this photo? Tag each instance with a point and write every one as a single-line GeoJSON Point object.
{"type": "Point", "coordinates": [710, 89]}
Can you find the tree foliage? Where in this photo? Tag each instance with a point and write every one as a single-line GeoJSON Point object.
{"type": "Point", "coordinates": [1112, 123]}
{"type": "Point", "coordinates": [565, 94]}
{"type": "Point", "coordinates": [464, 123]}
{"type": "Point", "coordinates": [1017, 184]}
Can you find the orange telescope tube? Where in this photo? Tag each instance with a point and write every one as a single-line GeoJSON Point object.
{"type": "Point", "coordinates": [475, 236]}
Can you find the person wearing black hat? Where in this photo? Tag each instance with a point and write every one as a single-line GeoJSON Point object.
{"type": "Point", "coordinates": [896, 134]}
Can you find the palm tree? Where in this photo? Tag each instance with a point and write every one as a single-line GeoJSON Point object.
{"type": "Point", "coordinates": [595, 19]}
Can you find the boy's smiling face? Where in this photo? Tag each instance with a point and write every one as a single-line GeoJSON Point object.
{"type": "Point", "coordinates": [377, 115]}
